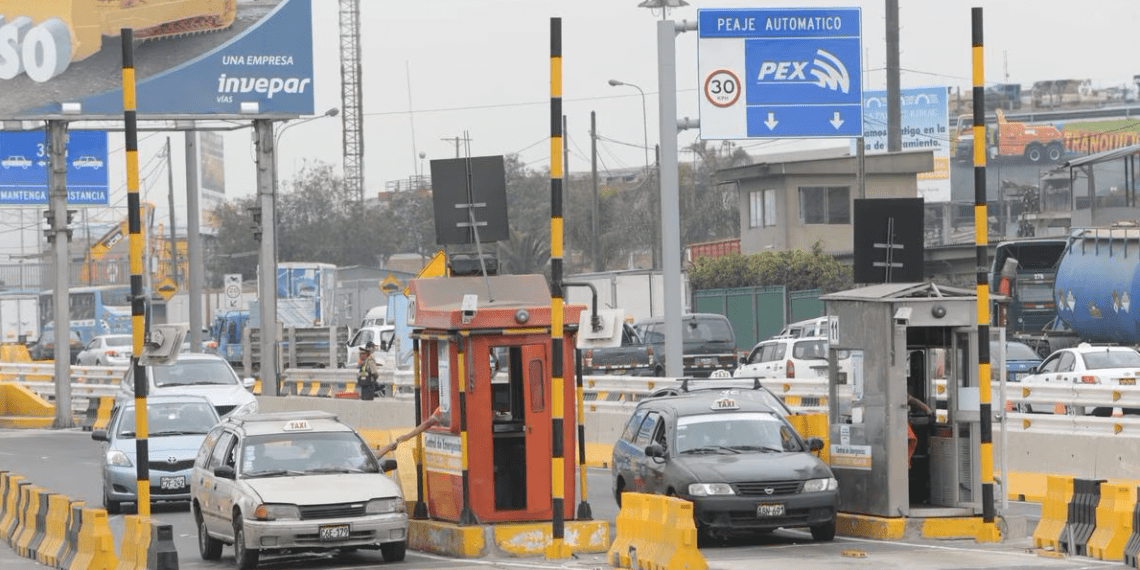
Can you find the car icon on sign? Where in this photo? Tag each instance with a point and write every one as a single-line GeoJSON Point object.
{"type": "Point", "coordinates": [87, 162]}
{"type": "Point", "coordinates": [15, 161]}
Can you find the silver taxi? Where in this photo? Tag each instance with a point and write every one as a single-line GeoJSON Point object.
{"type": "Point", "coordinates": [293, 482]}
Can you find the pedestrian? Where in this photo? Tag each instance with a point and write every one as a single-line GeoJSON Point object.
{"type": "Point", "coordinates": [914, 405]}
{"type": "Point", "coordinates": [368, 372]}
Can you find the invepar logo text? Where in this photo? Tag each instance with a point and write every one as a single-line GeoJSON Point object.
{"type": "Point", "coordinates": [828, 70]}
{"type": "Point", "coordinates": [43, 50]}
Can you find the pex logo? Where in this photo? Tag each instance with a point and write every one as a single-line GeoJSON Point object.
{"type": "Point", "coordinates": [828, 70]}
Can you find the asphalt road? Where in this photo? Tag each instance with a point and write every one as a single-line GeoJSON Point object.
{"type": "Point", "coordinates": [68, 462]}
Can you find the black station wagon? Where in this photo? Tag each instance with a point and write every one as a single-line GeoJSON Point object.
{"type": "Point", "coordinates": [734, 455]}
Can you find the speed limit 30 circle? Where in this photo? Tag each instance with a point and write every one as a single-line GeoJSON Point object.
{"type": "Point", "coordinates": [722, 88]}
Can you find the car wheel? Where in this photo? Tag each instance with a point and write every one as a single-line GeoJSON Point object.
{"type": "Point", "coordinates": [209, 547]}
{"type": "Point", "coordinates": [394, 551]}
{"type": "Point", "coordinates": [113, 507]}
{"type": "Point", "coordinates": [246, 558]}
{"type": "Point", "coordinates": [824, 532]}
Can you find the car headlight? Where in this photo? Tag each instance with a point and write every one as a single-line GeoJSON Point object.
{"type": "Point", "coordinates": [385, 506]}
{"type": "Point", "coordinates": [706, 489]}
{"type": "Point", "coordinates": [817, 485]}
{"type": "Point", "coordinates": [250, 408]}
{"type": "Point", "coordinates": [276, 512]}
{"type": "Point", "coordinates": [118, 458]}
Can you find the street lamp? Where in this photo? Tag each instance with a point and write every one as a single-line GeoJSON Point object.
{"type": "Point", "coordinates": [663, 4]}
{"type": "Point", "coordinates": [645, 144]}
{"type": "Point", "coordinates": [644, 122]}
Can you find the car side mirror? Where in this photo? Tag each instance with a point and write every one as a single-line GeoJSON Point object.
{"type": "Point", "coordinates": [655, 450]}
{"type": "Point", "coordinates": [248, 382]}
{"type": "Point", "coordinates": [814, 443]}
{"type": "Point", "coordinates": [388, 465]}
{"type": "Point", "coordinates": [225, 472]}
{"type": "Point", "coordinates": [99, 435]}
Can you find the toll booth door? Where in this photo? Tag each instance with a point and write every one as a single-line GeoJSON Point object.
{"type": "Point", "coordinates": [537, 414]}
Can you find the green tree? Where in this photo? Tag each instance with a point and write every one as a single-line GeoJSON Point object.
{"type": "Point", "coordinates": [797, 270]}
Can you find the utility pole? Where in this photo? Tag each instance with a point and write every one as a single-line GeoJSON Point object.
{"type": "Point", "coordinates": [595, 223]}
{"type": "Point", "coordinates": [60, 237]}
{"type": "Point", "coordinates": [894, 113]}
{"type": "Point", "coordinates": [170, 196]}
{"type": "Point", "coordinates": [457, 139]}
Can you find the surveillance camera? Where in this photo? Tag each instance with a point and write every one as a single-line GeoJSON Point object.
{"type": "Point", "coordinates": [902, 316]}
{"type": "Point", "coordinates": [469, 306]}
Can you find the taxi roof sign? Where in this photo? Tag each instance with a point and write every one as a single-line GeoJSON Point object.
{"type": "Point", "coordinates": [297, 425]}
{"type": "Point", "coordinates": [725, 404]}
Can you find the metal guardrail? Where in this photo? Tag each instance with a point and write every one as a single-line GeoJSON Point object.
{"type": "Point", "coordinates": [616, 393]}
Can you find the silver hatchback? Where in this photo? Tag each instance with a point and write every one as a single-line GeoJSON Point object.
{"type": "Point", "coordinates": [293, 482]}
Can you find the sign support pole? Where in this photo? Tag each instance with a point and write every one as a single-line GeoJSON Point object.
{"type": "Point", "coordinates": [670, 205]}
{"type": "Point", "coordinates": [267, 265]}
{"type": "Point", "coordinates": [196, 268]}
{"type": "Point", "coordinates": [60, 238]}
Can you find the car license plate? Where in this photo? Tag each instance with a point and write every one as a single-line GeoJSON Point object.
{"type": "Point", "coordinates": [334, 532]}
{"type": "Point", "coordinates": [1127, 381]}
{"type": "Point", "coordinates": [172, 483]}
{"type": "Point", "coordinates": [770, 510]}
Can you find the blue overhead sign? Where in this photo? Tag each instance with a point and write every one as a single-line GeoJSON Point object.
{"type": "Point", "coordinates": [24, 168]}
{"type": "Point", "coordinates": [780, 72]}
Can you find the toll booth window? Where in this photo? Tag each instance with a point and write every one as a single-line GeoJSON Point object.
{"type": "Point", "coordinates": [537, 393]}
{"type": "Point", "coordinates": [443, 373]}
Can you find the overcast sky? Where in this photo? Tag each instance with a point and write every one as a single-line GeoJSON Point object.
{"type": "Point", "coordinates": [443, 69]}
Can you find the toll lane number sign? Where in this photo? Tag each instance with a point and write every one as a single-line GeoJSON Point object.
{"type": "Point", "coordinates": [780, 72]}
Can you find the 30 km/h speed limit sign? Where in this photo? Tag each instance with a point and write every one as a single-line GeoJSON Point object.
{"type": "Point", "coordinates": [722, 88]}
{"type": "Point", "coordinates": [233, 291]}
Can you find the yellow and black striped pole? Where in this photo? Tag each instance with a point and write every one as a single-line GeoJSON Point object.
{"type": "Point", "coordinates": [138, 299]}
{"type": "Point", "coordinates": [557, 547]}
{"type": "Point", "coordinates": [981, 239]}
{"type": "Point", "coordinates": [419, 511]}
{"type": "Point", "coordinates": [466, 515]}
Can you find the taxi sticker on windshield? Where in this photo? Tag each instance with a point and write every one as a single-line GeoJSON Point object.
{"type": "Point", "coordinates": [725, 404]}
{"type": "Point", "coordinates": [297, 425]}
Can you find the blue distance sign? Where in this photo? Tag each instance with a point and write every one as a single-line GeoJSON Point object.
{"type": "Point", "coordinates": [780, 72]}
{"type": "Point", "coordinates": [24, 168]}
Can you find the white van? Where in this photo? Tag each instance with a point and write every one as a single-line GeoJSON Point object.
{"type": "Point", "coordinates": [375, 317]}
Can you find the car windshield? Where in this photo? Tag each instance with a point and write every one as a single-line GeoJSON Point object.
{"type": "Point", "coordinates": [170, 418]}
{"type": "Point", "coordinates": [305, 453]}
{"type": "Point", "coordinates": [188, 373]}
{"type": "Point", "coordinates": [1019, 351]}
{"type": "Point", "coordinates": [1111, 359]}
{"type": "Point", "coordinates": [735, 432]}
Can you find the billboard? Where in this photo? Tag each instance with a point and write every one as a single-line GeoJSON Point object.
{"type": "Point", "coordinates": [24, 168]}
{"type": "Point", "coordinates": [925, 126]}
{"type": "Point", "coordinates": [202, 57]}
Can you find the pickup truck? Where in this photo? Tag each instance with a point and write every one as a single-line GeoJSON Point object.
{"type": "Point", "coordinates": [707, 343]}
{"type": "Point", "coordinates": [632, 358]}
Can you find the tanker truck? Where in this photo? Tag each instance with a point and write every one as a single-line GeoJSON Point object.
{"type": "Point", "coordinates": [1097, 277]}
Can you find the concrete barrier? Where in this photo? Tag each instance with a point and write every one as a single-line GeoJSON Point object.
{"type": "Point", "coordinates": [94, 546]}
{"type": "Point", "coordinates": [1113, 521]}
{"type": "Point", "coordinates": [71, 537]}
{"type": "Point", "coordinates": [655, 531]}
{"type": "Point", "coordinates": [160, 552]}
{"type": "Point", "coordinates": [26, 525]}
{"type": "Point", "coordinates": [1054, 512]}
{"type": "Point", "coordinates": [56, 525]}
{"type": "Point", "coordinates": [133, 543]}
{"type": "Point", "coordinates": [1081, 519]}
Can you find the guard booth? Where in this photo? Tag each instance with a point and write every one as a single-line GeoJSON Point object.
{"type": "Point", "coordinates": [484, 361]}
{"type": "Point", "coordinates": [906, 338]}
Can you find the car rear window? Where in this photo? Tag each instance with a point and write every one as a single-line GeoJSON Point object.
{"type": "Point", "coordinates": [189, 373]}
{"type": "Point", "coordinates": [707, 330]}
{"type": "Point", "coordinates": [1111, 359]}
{"type": "Point", "coordinates": [810, 350]}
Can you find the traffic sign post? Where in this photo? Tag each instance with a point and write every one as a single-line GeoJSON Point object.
{"type": "Point", "coordinates": [780, 72]}
{"type": "Point", "coordinates": [233, 291]}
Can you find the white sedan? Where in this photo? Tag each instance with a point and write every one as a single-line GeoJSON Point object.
{"type": "Point", "coordinates": [107, 350]}
{"type": "Point", "coordinates": [1088, 365]}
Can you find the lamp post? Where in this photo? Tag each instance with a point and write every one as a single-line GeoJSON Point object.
{"type": "Point", "coordinates": [654, 209]}
{"type": "Point", "coordinates": [267, 141]}
{"type": "Point", "coordinates": [644, 121]}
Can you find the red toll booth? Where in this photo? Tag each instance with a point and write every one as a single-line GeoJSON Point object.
{"type": "Point", "coordinates": [484, 361]}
